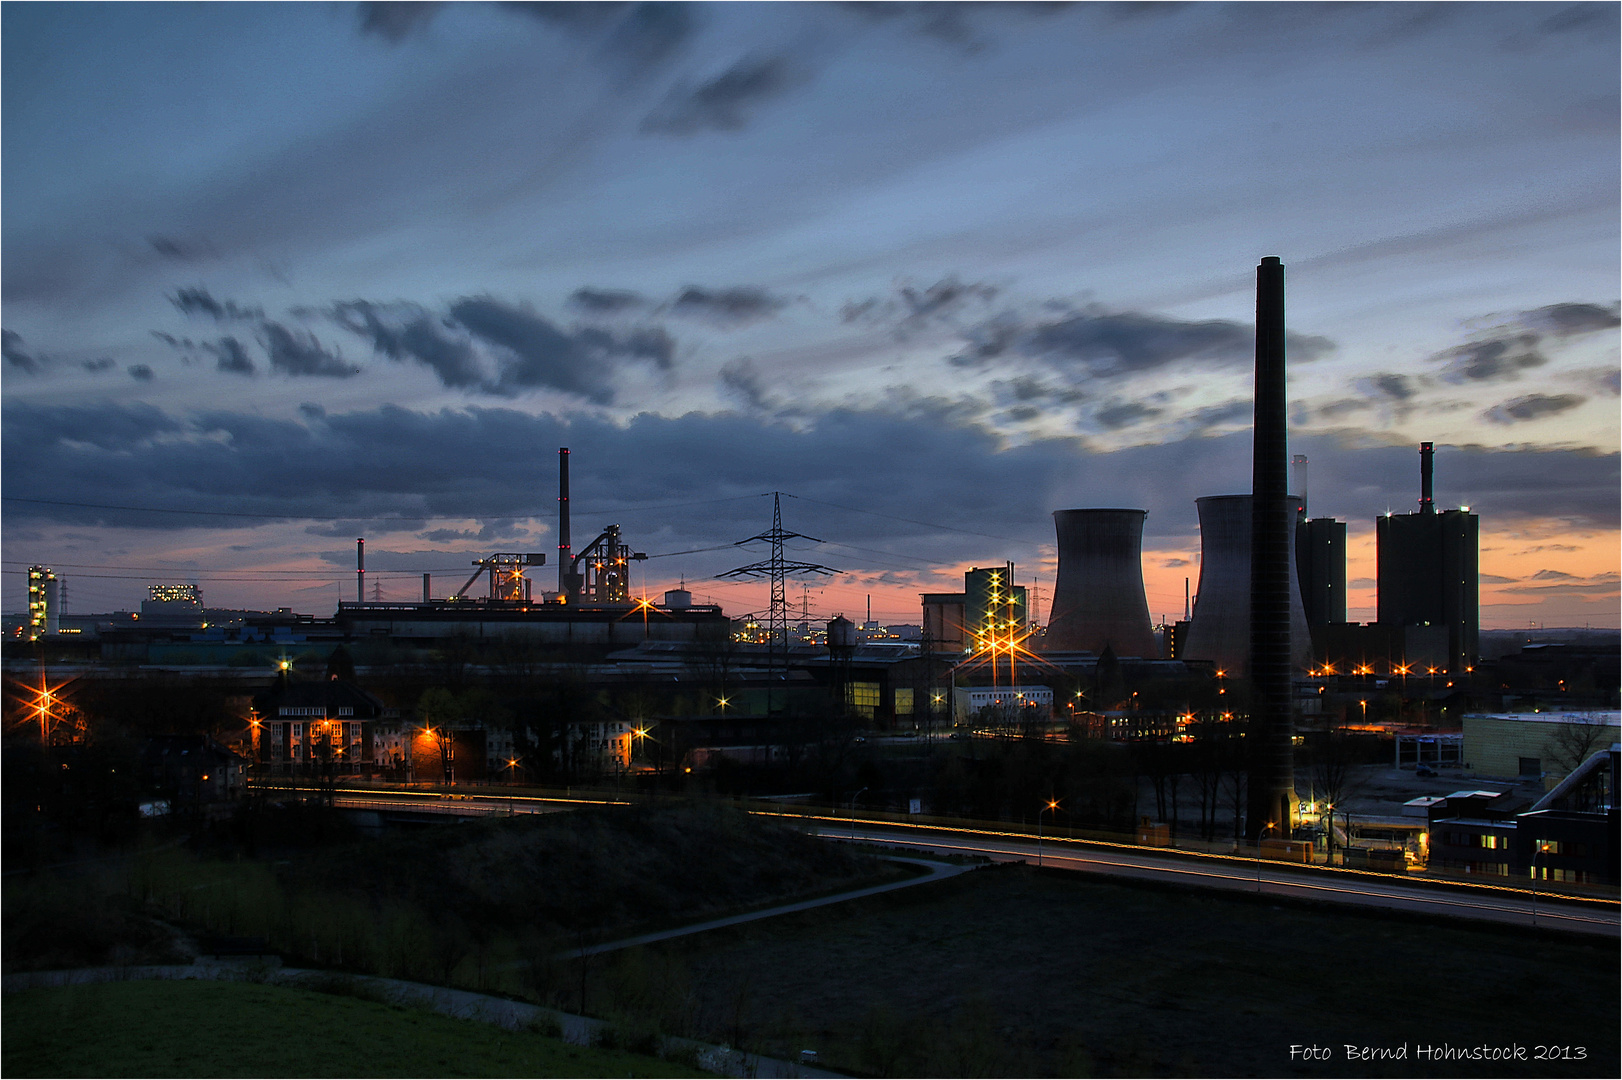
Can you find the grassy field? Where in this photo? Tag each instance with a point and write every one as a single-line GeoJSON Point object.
{"type": "Point", "coordinates": [239, 1029]}
{"type": "Point", "coordinates": [485, 905]}
{"type": "Point", "coordinates": [1017, 972]}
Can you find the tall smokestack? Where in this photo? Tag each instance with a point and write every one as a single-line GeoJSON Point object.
{"type": "Point", "coordinates": [1298, 482]}
{"type": "Point", "coordinates": [426, 578]}
{"type": "Point", "coordinates": [360, 569]}
{"type": "Point", "coordinates": [1426, 504]}
{"type": "Point", "coordinates": [563, 522]}
{"type": "Point", "coordinates": [1272, 765]}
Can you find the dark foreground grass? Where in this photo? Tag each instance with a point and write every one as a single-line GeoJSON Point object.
{"type": "Point", "coordinates": [242, 1029]}
{"type": "Point", "coordinates": [1017, 972]}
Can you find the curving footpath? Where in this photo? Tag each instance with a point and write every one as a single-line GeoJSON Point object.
{"type": "Point", "coordinates": [937, 872]}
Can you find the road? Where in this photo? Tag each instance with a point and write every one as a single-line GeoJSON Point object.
{"type": "Point", "coordinates": [1196, 870]}
{"type": "Point", "coordinates": [474, 803]}
{"type": "Point", "coordinates": [1190, 869]}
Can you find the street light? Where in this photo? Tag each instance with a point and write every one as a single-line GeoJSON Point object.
{"type": "Point", "coordinates": [1329, 835]}
{"type": "Point", "coordinates": [1543, 848]}
{"type": "Point", "coordinates": [1263, 836]}
{"type": "Point", "coordinates": [853, 799]}
{"type": "Point", "coordinates": [1052, 804]}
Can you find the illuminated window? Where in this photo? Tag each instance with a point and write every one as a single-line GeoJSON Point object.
{"type": "Point", "coordinates": [864, 698]}
{"type": "Point", "coordinates": [903, 701]}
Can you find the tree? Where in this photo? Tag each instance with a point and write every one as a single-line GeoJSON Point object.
{"type": "Point", "coordinates": [1333, 771]}
{"type": "Point", "coordinates": [1574, 741]}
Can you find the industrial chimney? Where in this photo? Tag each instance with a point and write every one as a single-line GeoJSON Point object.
{"type": "Point", "coordinates": [565, 563]}
{"type": "Point", "coordinates": [1298, 480]}
{"type": "Point", "coordinates": [360, 569]}
{"type": "Point", "coordinates": [1219, 630]}
{"type": "Point", "coordinates": [1271, 785]}
{"type": "Point", "coordinates": [1427, 505]}
{"type": "Point", "coordinates": [1098, 600]}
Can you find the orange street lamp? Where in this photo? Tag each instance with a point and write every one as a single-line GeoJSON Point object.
{"type": "Point", "coordinates": [1052, 804]}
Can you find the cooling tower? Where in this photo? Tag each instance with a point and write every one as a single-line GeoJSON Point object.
{"type": "Point", "coordinates": [1220, 629]}
{"type": "Point", "coordinates": [1098, 599]}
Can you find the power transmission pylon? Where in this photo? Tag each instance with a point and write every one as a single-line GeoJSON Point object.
{"type": "Point", "coordinates": [777, 569]}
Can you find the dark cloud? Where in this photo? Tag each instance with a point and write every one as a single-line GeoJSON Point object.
{"type": "Point", "coordinates": [1333, 410]}
{"type": "Point", "coordinates": [104, 363]}
{"type": "Point", "coordinates": [1104, 344]}
{"type": "Point", "coordinates": [395, 22]}
{"type": "Point", "coordinates": [1492, 359]}
{"type": "Point", "coordinates": [539, 354]}
{"type": "Point", "coordinates": [1025, 388]}
{"type": "Point", "coordinates": [726, 102]}
{"type": "Point", "coordinates": [115, 429]}
{"type": "Point", "coordinates": [950, 23]}
{"type": "Point", "coordinates": [575, 15]}
{"type": "Point", "coordinates": [230, 356]}
{"type": "Point", "coordinates": [1580, 18]}
{"type": "Point", "coordinates": [197, 301]}
{"type": "Point", "coordinates": [638, 36]}
{"type": "Point", "coordinates": [911, 307]}
{"type": "Point", "coordinates": [1207, 417]}
{"type": "Point", "coordinates": [11, 346]}
{"type": "Point", "coordinates": [141, 372]}
{"type": "Point", "coordinates": [944, 298]}
{"type": "Point", "coordinates": [727, 307]}
{"type": "Point", "coordinates": [1567, 320]}
{"type": "Point", "coordinates": [1388, 385]}
{"type": "Point", "coordinates": [1502, 353]}
{"type": "Point", "coordinates": [649, 33]}
{"type": "Point", "coordinates": [743, 380]}
{"type": "Point", "coordinates": [312, 410]}
{"type": "Point", "coordinates": [1533, 407]}
{"type": "Point", "coordinates": [408, 332]}
{"type": "Point", "coordinates": [650, 343]}
{"type": "Point", "coordinates": [482, 465]}
{"type": "Point", "coordinates": [297, 352]}
{"type": "Point", "coordinates": [1125, 414]}
{"type": "Point", "coordinates": [606, 301]}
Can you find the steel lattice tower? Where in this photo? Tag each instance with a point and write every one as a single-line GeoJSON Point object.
{"type": "Point", "coordinates": [777, 568]}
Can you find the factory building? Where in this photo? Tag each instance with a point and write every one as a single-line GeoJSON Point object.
{"type": "Point", "coordinates": [994, 608]}
{"type": "Point", "coordinates": [1429, 572]}
{"type": "Point", "coordinates": [1219, 632]}
{"type": "Point", "coordinates": [1541, 747]}
{"type": "Point", "coordinates": [44, 602]}
{"type": "Point", "coordinates": [1320, 571]}
{"type": "Point", "coordinates": [173, 605]}
{"type": "Point", "coordinates": [1099, 600]}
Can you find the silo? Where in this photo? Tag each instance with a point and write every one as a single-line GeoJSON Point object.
{"type": "Point", "coordinates": [1098, 599]}
{"type": "Point", "coordinates": [1220, 629]}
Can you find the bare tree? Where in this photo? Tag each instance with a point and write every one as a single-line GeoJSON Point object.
{"type": "Point", "coordinates": [1575, 741]}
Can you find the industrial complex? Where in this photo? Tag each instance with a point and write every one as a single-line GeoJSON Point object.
{"type": "Point", "coordinates": [584, 679]}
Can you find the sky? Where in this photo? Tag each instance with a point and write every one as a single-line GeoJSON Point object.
{"type": "Point", "coordinates": [277, 276]}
